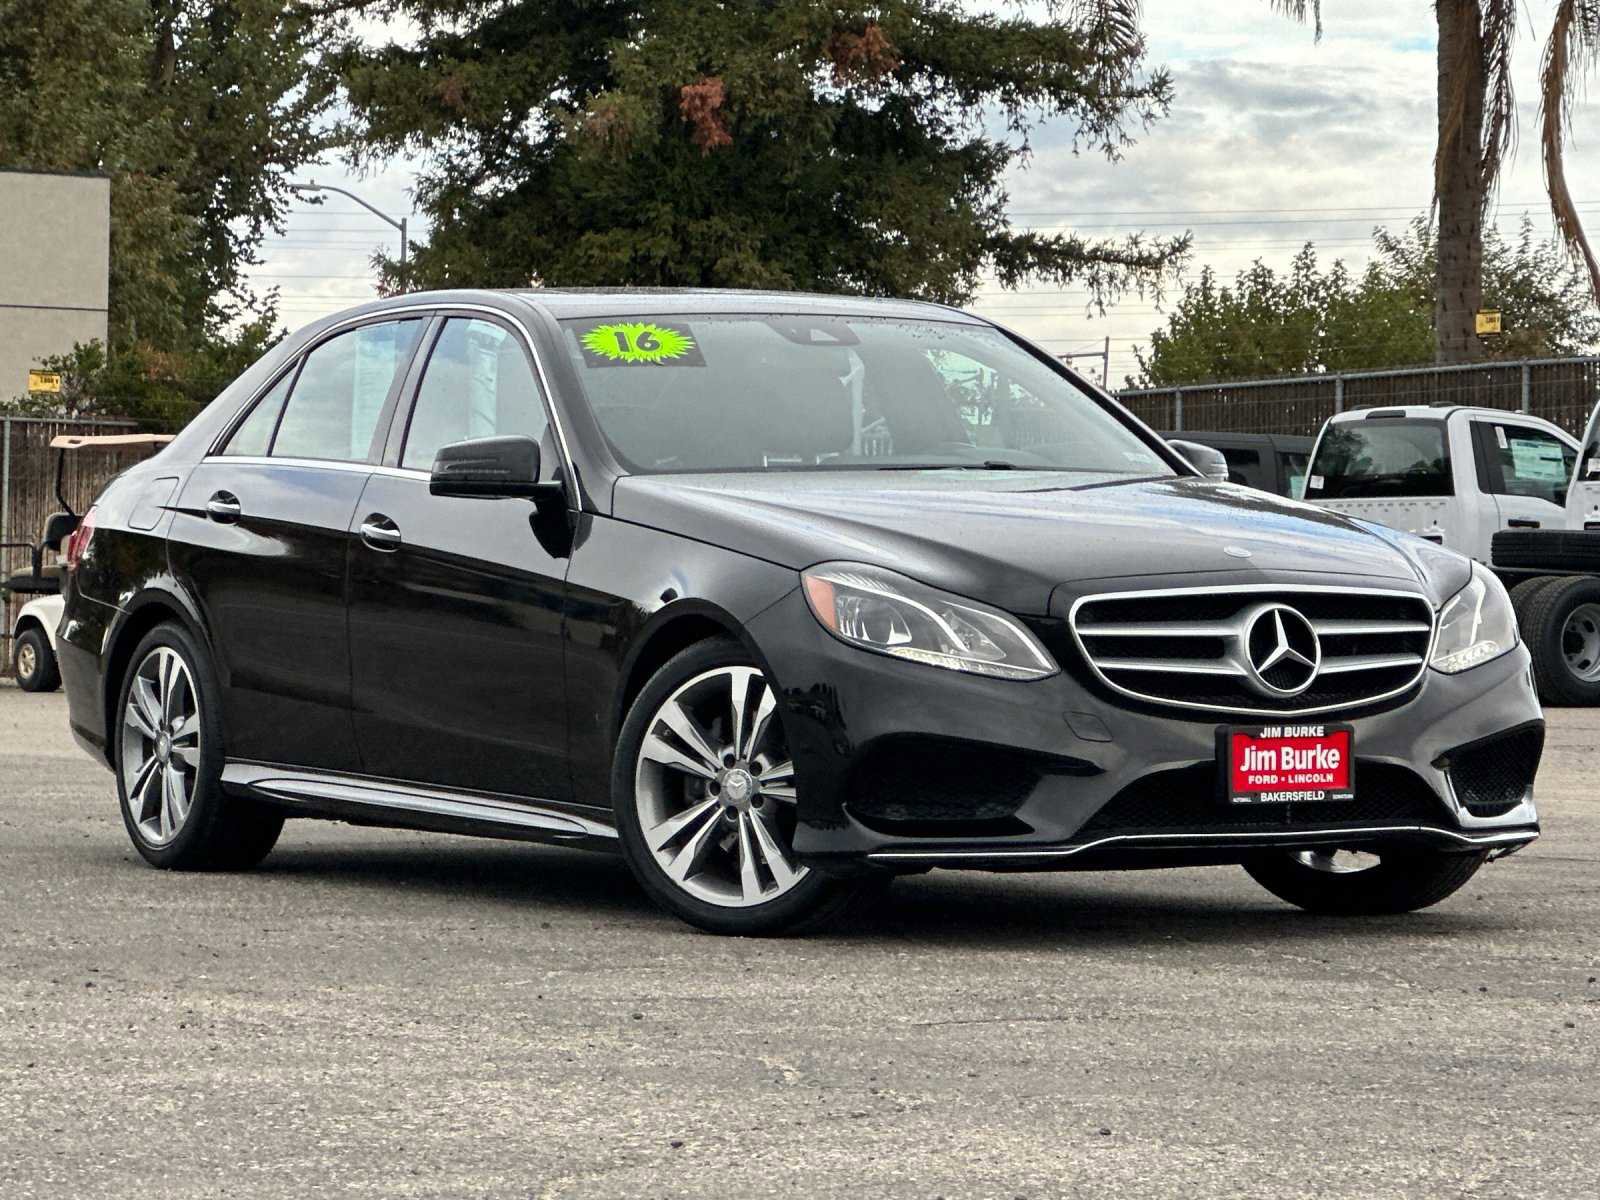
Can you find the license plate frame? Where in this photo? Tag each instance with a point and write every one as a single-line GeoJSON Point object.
{"type": "Point", "coordinates": [1271, 777]}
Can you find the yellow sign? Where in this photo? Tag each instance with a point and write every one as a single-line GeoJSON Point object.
{"type": "Point", "coordinates": [1488, 321]}
{"type": "Point", "coordinates": [44, 381]}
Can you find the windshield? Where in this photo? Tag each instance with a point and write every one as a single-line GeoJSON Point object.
{"type": "Point", "coordinates": [779, 392]}
{"type": "Point", "coordinates": [1384, 457]}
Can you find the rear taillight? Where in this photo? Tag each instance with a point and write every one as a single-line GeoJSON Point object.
{"type": "Point", "coordinates": [78, 540]}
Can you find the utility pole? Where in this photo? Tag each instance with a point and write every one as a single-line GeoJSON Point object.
{"type": "Point", "coordinates": [1103, 354]}
{"type": "Point", "coordinates": [400, 224]}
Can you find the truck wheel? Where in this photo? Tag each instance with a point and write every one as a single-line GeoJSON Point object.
{"type": "Point", "coordinates": [1561, 625]}
{"type": "Point", "coordinates": [35, 662]}
{"type": "Point", "coordinates": [1524, 592]}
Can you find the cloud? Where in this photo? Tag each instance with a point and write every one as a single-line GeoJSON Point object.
{"type": "Point", "coordinates": [1273, 140]}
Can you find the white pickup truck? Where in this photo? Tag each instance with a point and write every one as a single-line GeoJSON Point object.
{"type": "Point", "coordinates": [1511, 490]}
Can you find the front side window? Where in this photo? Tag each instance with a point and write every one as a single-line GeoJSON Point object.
{"type": "Point", "coordinates": [334, 409]}
{"type": "Point", "coordinates": [477, 384]}
{"type": "Point", "coordinates": [781, 392]}
{"type": "Point", "coordinates": [1531, 462]}
{"type": "Point", "coordinates": [1385, 457]}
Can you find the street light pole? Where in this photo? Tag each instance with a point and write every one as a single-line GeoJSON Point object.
{"type": "Point", "coordinates": [400, 224]}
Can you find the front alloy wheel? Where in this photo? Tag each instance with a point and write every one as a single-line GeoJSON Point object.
{"type": "Point", "coordinates": [715, 790]}
{"type": "Point", "coordinates": [706, 799]}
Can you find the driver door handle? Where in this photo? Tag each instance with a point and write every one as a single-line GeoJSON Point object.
{"type": "Point", "coordinates": [1521, 523]}
{"type": "Point", "coordinates": [224, 508]}
{"type": "Point", "coordinates": [380, 533]}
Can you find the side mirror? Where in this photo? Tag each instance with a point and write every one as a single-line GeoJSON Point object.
{"type": "Point", "coordinates": [58, 528]}
{"type": "Point", "coordinates": [1208, 460]}
{"type": "Point", "coordinates": [492, 467]}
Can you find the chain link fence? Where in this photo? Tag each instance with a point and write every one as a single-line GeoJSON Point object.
{"type": "Point", "coordinates": [28, 490]}
{"type": "Point", "coordinates": [1563, 390]}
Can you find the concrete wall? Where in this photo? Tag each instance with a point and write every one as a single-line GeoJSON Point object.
{"type": "Point", "coordinates": [55, 234]}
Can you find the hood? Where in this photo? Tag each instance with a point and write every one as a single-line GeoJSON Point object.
{"type": "Point", "coordinates": [1009, 537]}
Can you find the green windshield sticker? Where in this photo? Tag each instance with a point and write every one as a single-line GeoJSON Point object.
{"type": "Point", "coordinates": [636, 343]}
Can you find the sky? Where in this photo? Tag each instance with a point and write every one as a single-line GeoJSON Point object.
{"type": "Point", "coordinates": [1274, 139]}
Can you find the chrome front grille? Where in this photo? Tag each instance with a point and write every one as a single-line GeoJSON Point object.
{"type": "Point", "coordinates": [1260, 649]}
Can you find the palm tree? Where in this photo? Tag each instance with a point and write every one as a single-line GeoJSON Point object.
{"type": "Point", "coordinates": [1477, 128]}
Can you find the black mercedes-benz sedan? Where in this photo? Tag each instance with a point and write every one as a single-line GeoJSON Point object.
{"type": "Point", "coordinates": [778, 596]}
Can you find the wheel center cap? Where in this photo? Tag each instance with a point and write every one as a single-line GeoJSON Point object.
{"type": "Point", "coordinates": [163, 747]}
{"type": "Point", "coordinates": [738, 785]}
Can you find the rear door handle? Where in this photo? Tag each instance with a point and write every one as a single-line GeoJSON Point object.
{"type": "Point", "coordinates": [223, 508]}
{"type": "Point", "coordinates": [380, 533]}
{"type": "Point", "coordinates": [1521, 523]}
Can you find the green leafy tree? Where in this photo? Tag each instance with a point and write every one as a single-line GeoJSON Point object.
{"type": "Point", "coordinates": [1477, 127]}
{"type": "Point", "coordinates": [161, 389]}
{"type": "Point", "coordinates": [195, 110]}
{"type": "Point", "coordinates": [1309, 320]}
{"type": "Point", "coordinates": [790, 144]}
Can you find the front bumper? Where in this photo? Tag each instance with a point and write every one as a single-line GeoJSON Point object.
{"type": "Point", "coordinates": [1049, 758]}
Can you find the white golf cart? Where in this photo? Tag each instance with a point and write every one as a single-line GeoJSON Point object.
{"type": "Point", "coordinates": [33, 632]}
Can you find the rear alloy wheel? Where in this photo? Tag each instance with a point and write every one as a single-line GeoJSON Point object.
{"type": "Point", "coordinates": [1362, 883]}
{"type": "Point", "coordinates": [34, 662]}
{"type": "Point", "coordinates": [169, 764]}
{"type": "Point", "coordinates": [706, 799]}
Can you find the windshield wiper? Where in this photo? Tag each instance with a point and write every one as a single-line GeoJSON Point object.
{"type": "Point", "coordinates": [991, 464]}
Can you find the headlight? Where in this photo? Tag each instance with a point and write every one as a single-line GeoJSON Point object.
{"type": "Point", "coordinates": [1475, 625]}
{"type": "Point", "coordinates": [890, 614]}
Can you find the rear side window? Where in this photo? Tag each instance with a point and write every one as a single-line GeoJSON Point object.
{"type": "Point", "coordinates": [1366, 459]}
{"type": "Point", "coordinates": [254, 435]}
{"type": "Point", "coordinates": [334, 408]}
{"type": "Point", "coordinates": [478, 384]}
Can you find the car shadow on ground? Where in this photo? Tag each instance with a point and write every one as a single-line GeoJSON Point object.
{"type": "Point", "coordinates": [1065, 910]}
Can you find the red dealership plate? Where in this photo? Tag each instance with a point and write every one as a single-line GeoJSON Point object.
{"type": "Point", "coordinates": [1288, 764]}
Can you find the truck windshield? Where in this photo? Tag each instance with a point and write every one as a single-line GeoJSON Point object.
{"type": "Point", "coordinates": [1385, 457]}
{"type": "Point", "coordinates": [814, 392]}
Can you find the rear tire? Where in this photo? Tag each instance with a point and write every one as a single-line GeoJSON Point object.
{"type": "Point", "coordinates": [35, 663]}
{"type": "Point", "coordinates": [1397, 883]}
{"type": "Point", "coordinates": [1561, 625]}
{"type": "Point", "coordinates": [705, 800]}
{"type": "Point", "coordinates": [167, 741]}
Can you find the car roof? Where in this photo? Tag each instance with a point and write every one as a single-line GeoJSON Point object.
{"type": "Point", "coordinates": [562, 303]}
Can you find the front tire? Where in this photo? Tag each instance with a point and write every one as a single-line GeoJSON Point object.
{"type": "Point", "coordinates": [168, 751]}
{"type": "Point", "coordinates": [35, 663]}
{"type": "Point", "coordinates": [1349, 884]}
{"type": "Point", "coordinates": [705, 797]}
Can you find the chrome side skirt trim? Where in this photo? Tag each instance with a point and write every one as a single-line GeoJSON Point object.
{"type": "Point", "coordinates": [314, 789]}
{"type": "Point", "coordinates": [1184, 841]}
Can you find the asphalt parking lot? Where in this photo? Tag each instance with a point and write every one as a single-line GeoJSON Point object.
{"type": "Point", "coordinates": [398, 1014]}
